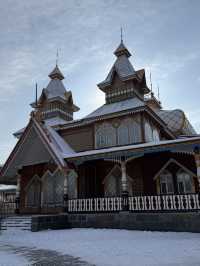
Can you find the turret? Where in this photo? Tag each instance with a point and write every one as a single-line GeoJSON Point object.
{"type": "Point", "coordinates": [55, 105]}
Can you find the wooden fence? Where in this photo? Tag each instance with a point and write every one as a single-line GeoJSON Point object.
{"type": "Point", "coordinates": [158, 203]}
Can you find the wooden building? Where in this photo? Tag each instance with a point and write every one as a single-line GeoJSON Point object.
{"type": "Point", "coordinates": [129, 154]}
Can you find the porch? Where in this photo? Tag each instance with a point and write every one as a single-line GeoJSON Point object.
{"type": "Point", "coordinates": [163, 177]}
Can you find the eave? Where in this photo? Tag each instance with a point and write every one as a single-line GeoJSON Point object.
{"type": "Point", "coordinates": [136, 150]}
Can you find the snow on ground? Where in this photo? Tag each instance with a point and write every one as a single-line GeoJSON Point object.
{"type": "Point", "coordinates": [9, 259]}
{"type": "Point", "coordinates": [106, 247]}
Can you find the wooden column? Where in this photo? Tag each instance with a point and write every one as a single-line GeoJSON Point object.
{"type": "Point", "coordinates": [17, 197]}
{"type": "Point", "coordinates": [65, 196]}
{"type": "Point", "coordinates": [124, 178]}
{"type": "Point", "coordinates": [124, 182]}
{"type": "Point", "coordinates": [197, 161]}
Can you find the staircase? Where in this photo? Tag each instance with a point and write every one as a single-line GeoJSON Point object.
{"type": "Point", "coordinates": [16, 223]}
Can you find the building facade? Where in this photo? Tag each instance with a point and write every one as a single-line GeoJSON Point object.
{"type": "Point", "coordinates": [129, 154]}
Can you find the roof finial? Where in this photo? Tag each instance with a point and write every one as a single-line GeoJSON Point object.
{"type": "Point", "coordinates": [158, 93]}
{"type": "Point", "coordinates": [150, 83]}
{"type": "Point", "coordinates": [57, 57]}
{"type": "Point", "coordinates": [36, 97]}
{"type": "Point", "coordinates": [121, 31]}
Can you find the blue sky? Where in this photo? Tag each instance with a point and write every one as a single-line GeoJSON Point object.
{"type": "Point", "coordinates": [163, 36]}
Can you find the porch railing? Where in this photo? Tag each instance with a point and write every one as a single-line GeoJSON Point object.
{"type": "Point", "coordinates": [7, 204]}
{"type": "Point", "coordinates": [95, 205]}
{"type": "Point", "coordinates": [158, 203]}
{"type": "Point", "coordinates": [185, 202]}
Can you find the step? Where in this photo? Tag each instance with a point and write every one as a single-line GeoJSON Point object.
{"type": "Point", "coordinates": [16, 223]}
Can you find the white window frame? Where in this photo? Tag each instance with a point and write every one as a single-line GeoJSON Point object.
{"type": "Point", "coordinates": [181, 179]}
{"type": "Point", "coordinates": [166, 178]}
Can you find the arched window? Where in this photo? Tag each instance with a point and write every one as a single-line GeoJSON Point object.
{"type": "Point", "coordinates": [53, 188]}
{"type": "Point", "coordinates": [105, 136]}
{"type": "Point", "coordinates": [129, 132]}
{"type": "Point", "coordinates": [156, 136]}
{"type": "Point", "coordinates": [166, 183]}
{"type": "Point", "coordinates": [185, 182]}
{"type": "Point", "coordinates": [72, 184]}
{"type": "Point", "coordinates": [33, 193]}
{"type": "Point", "coordinates": [112, 183]}
{"type": "Point", "coordinates": [135, 132]}
{"type": "Point", "coordinates": [123, 134]}
{"type": "Point", "coordinates": [148, 132]}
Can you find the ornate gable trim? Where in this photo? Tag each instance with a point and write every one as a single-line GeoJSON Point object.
{"type": "Point", "coordinates": [177, 163]}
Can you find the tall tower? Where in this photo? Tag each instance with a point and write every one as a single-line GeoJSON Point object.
{"type": "Point", "coordinates": [123, 81]}
{"type": "Point", "coordinates": [55, 105]}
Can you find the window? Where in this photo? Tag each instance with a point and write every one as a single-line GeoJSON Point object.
{"type": "Point", "coordinates": [156, 136]}
{"type": "Point", "coordinates": [72, 184]}
{"type": "Point", "coordinates": [185, 182]}
{"type": "Point", "coordinates": [105, 136]}
{"type": "Point", "coordinates": [148, 132]}
{"type": "Point", "coordinates": [112, 183]}
{"type": "Point", "coordinates": [33, 193]}
{"type": "Point", "coordinates": [53, 188]}
{"type": "Point", "coordinates": [123, 134]}
{"type": "Point", "coordinates": [135, 132]}
{"type": "Point", "coordinates": [166, 183]}
{"type": "Point", "coordinates": [128, 131]}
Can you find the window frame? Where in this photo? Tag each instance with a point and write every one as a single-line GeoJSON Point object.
{"type": "Point", "coordinates": [166, 174]}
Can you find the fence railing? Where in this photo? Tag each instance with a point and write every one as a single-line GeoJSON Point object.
{"type": "Point", "coordinates": [159, 203]}
{"type": "Point", "coordinates": [7, 204]}
{"type": "Point", "coordinates": [95, 205]}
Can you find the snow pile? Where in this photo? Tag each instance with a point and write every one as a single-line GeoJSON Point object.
{"type": "Point", "coordinates": [115, 247]}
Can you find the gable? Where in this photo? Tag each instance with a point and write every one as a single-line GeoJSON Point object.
{"type": "Point", "coordinates": [173, 161]}
{"type": "Point", "coordinates": [30, 151]}
{"type": "Point", "coordinates": [37, 145]}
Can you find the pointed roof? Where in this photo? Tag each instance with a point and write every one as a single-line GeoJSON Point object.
{"type": "Point", "coordinates": [50, 144]}
{"type": "Point", "coordinates": [122, 67]}
{"type": "Point", "coordinates": [56, 73]}
{"type": "Point", "coordinates": [122, 50]}
{"type": "Point", "coordinates": [55, 88]}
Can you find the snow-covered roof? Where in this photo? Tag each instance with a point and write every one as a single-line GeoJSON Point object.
{"type": "Point", "coordinates": [134, 147]}
{"type": "Point", "coordinates": [45, 144]}
{"type": "Point", "coordinates": [18, 133]}
{"type": "Point", "coordinates": [116, 107]}
{"type": "Point", "coordinates": [176, 121]}
{"type": "Point", "coordinates": [54, 121]}
{"type": "Point", "coordinates": [58, 144]}
{"type": "Point", "coordinates": [7, 187]}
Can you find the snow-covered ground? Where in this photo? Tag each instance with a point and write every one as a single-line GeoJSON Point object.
{"type": "Point", "coordinates": [104, 247]}
{"type": "Point", "coordinates": [9, 259]}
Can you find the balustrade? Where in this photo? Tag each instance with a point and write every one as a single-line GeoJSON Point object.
{"type": "Point", "coordinates": [157, 203]}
